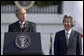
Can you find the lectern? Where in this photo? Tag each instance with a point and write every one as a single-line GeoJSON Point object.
{"type": "Point", "coordinates": [22, 43]}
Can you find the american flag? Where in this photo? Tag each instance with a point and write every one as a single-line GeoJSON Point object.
{"type": "Point", "coordinates": [77, 13]}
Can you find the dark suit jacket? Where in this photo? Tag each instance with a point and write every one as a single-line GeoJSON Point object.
{"type": "Point", "coordinates": [74, 46]}
{"type": "Point", "coordinates": [15, 27]}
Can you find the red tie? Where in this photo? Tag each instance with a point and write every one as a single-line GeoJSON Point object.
{"type": "Point", "coordinates": [22, 26]}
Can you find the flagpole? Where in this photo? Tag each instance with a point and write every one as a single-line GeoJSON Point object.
{"type": "Point", "coordinates": [50, 49]}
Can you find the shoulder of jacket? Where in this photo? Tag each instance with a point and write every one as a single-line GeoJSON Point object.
{"type": "Point", "coordinates": [59, 31]}
{"type": "Point", "coordinates": [31, 22]}
{"type": "Point", "coordinates": [13, 23]}
{"type": "Point", "coordinates": [76, 32]}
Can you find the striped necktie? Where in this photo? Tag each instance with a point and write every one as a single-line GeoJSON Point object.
{"type": "Point", "coordinates": [22, 26]}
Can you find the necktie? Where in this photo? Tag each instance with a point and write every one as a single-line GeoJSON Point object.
{"type": "Point", "coordinates": [67, 39]}
{"type": "Point", "coordinates": [22, 26]}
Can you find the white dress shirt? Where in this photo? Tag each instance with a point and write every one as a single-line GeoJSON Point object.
{"type": "Point", "coordinates": [22, 23]}
{"type": "Point", "coordinates": [69, 32]}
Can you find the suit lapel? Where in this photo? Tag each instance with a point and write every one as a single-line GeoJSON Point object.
{"type": "Point", "coordinates": [17, 27]}
{"type": "Point", "coordinates": [27, 25]}
{"type": "Point", "coordinates": [64, 37]}
{"type": "Point", "coordinates": [71, 37]}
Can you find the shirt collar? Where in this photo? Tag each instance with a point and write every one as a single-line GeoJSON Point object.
{"type": "Point", "coordinates": [68, 31]}
{"type": "Point", "coordinates": [20, 22]}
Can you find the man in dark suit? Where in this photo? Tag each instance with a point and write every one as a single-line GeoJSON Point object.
{"type": "Point", "coordinates": [68, 41]}
{"type": "Point", "coordinates": [22, 25]}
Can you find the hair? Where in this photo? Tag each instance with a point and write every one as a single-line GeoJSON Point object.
{"type": "Point", "coordinates": [69, 17]}
{"type": "Point", "coordinates": [17, 10]}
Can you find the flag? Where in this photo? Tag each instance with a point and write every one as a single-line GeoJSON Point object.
{"type": "Point", "coordinates": [50, 49]}
{"type": "Point", "coordinates": [77, 13]}
{"type": "Point", "coordinates": [81, 35]}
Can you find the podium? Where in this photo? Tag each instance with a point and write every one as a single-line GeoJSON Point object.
{"type": "Point", "coordinates": [22, 43]}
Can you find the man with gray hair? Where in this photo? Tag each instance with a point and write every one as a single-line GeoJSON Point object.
{"type": "Point", "coordinates": [68, 41]}
{"type": "Point", "coordinates": [22, 25]}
